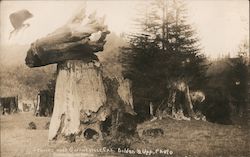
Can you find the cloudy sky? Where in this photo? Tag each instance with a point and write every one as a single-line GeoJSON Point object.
{"type": "Point", "coordinates": [221, 24]}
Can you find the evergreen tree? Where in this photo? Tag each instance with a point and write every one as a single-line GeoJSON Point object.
{"type": "Point", "coordinates": [181, 42]}
{"type": "Point", "coordinates": [164, 49]}
{"type": "Point", "coordinates": [140, 64]}
{"type": "Point", "coordinates": [237, 84]}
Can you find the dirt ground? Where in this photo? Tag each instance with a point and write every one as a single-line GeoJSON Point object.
{"type": "Point", "coordinates": [18, 141]}
{"type": "Point", "coordinates": [182, 138]}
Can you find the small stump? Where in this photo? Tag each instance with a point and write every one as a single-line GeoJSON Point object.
{"type": "Point", "coordinates": [32, 126]}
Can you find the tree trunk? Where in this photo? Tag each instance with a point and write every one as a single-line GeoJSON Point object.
{"type": "Point", "coordinates": [79, 90]}
{"type": "Point", "coordinates": [188, 102]}
{"type": "Point", "coordinates": [174, 106]}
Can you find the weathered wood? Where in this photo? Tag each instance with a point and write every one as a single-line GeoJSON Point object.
{"type": "Point", "coordinates": [119, 95]}
{"type": "Point", "coordinates": [120, 101]}
{"type": "Point", "coordinates": [70, 42]}
{"type": "Point", "coordinates": [41, 54]}
{"type": "Point", "coordinates": [79, 90]}
{"type": "Point", "coordinates": [81, 101]}
{"type": "Point", "coordinates": [175, 105]}
{"type": "Point", "coordinates": [189, 104]}
{"type": "Point", "coordinates": [124, 91]}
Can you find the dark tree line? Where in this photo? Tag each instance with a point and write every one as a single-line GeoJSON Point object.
{"type": "Point", "coordinates": [164, 50]}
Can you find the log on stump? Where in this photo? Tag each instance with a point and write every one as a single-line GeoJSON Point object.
{"type": "Point", "coordinates": [81, 101]}
{"type": "Point", "coordinates": [70, 42]}
{"type": "Point", "coordinates": [79, 85]}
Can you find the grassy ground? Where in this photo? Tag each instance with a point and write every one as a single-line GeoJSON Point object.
{"type": "Point", "coordinates": [198, 138]}
{"type": "Point", "coordinates": [184, 138]}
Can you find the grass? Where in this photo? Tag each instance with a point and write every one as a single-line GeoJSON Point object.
{"type": "Point", "coordinates": [198, 138]}
{"type": "Point", "coordinates": [184, 138]}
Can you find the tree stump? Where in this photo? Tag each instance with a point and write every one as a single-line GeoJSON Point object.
{"type": "Point", "coordinates": [79, 90]}
{"type": "Point", "coordinates": [80, 101]}
{"type": "Point", "coordinates": [178, 102]}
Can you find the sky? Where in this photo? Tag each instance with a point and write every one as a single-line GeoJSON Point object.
{"type": "Point", "coordinates": [221, 24]}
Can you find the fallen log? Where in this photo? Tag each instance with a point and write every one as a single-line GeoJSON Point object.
{"type": "Point", "coordinates": [72, 41]}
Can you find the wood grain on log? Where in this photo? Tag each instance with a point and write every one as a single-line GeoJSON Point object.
{"type": "Point", "coordinates": [71, 41]}
{"type": "Point", "coordinates": [51, 51]}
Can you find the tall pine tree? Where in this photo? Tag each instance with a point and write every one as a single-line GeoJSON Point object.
{"type": "Point", "coordinates": [164, 49]}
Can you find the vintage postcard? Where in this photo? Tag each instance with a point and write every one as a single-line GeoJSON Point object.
{"type": "Point", "coordinates": [88, 78]}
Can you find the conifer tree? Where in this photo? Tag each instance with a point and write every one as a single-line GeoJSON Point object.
{"type": "Point", "coordinates": [164, 48]}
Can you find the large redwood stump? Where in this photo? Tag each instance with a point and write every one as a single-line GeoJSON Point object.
{"type": "Point", "coordinates": [79, 88]}
{"type": "Point", "coordinates": [80, 101]}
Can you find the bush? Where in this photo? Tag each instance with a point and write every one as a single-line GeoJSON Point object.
{"type": "Point", "coordinates": [216, 107]}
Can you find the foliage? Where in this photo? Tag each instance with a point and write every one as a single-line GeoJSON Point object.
{"type": "Point", "coordinates": [165, 49]}
{"type": "Point", "coordinates": [23, 81]}
{"type": "Point", "coordinates": [237, 85]}
{"type": "Point", "coordinates": [226, 91]}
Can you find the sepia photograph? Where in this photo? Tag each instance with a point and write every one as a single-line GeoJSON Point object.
{"type": "Point", "coordinates": [124, 78]}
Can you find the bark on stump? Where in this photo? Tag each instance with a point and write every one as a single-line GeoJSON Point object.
{"type": "Point", "coordinates": [79, 88]}
{"type": "Point", "coordinates": [175, 109]}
